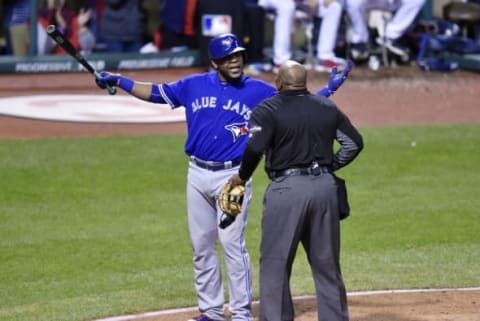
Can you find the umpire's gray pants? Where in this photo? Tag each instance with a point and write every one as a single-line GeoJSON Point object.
{"type": "Point", "coordinates": [301, 209]}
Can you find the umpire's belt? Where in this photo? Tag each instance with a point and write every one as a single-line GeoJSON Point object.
{"type": "Point", "coordinates": [315, 171]}
{"type": "Point", "coordinates": [214, 166]}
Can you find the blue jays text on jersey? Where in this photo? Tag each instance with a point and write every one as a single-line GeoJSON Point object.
{"type": "Point", "coordinates": [217, 112]}
{"type": "Point", "coordinates": [211, 102]}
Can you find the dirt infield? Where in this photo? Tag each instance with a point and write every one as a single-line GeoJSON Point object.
{"type": "Point", "coordinates": [403, 95]}
{"type": "Point", "coordinates": [400, 96]}
{"type": "Point", "coordinates": [443, 305]}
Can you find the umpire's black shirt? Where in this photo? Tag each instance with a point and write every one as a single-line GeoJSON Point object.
{"type": "Point", "coordinates": [295, 128]}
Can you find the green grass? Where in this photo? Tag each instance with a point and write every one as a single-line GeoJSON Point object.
{"type": "Point", "coordinates": [92, 227]}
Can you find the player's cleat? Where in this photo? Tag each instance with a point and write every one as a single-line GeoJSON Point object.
{"type": "Point", "coordinates": [201, 317]}
{"type": "Point", "coordinates": [326, 65]}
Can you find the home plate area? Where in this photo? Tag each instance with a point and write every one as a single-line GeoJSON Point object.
{"type": "Point", "coordinates": [89, 108]}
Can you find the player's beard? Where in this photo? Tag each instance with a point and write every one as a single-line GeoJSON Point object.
{"type": "Point", "coordinates": [232, 69]}
{"type": "Point", "coordinates": [230, 77]}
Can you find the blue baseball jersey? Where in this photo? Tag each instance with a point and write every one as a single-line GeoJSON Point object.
{"type": "Point", "coordinates": [217, 112]}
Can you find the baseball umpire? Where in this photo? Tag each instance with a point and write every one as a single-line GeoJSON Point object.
{"type": "Point", "coordinates": [218, 106]}
{"type": "Point", "coordinates": [296, 131]}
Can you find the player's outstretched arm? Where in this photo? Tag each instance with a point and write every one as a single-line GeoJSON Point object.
{"type": "Point", "coordinates": [142, 90]}
{"type": "Point", "coordinates": [335, 80]}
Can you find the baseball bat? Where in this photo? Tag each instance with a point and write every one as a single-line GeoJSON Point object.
{"type": "Point", "coordinates": [63, 42]}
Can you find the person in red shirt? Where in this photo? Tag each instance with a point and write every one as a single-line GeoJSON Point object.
{"type": "Point", "coordinates": [70, 23]}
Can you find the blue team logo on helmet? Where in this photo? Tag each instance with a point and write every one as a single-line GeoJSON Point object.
{"type": "Point", "coordinates": [224, 45]}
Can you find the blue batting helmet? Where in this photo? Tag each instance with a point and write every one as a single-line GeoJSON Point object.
{"type": "Point", "coordinates": [224, 45]}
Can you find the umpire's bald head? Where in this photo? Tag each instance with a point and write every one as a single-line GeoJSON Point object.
{"type": "Point", "coordinates": [291, 76]}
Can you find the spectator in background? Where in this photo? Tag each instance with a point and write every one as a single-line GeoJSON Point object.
{"type": "Point", "coordinates": [330, 12]}
{"type": "Point", "coordinates": [86, 36]}
{"type": "Point", "coordinates": [74, 26]}
{"type": "Point", "coordinates": [122, 25]}
{"type": "Point", "coordinates": [15, 24]}
{"type": "Point", "coordinates": [283, 27]}
{"type": "Point", "coordinates": [404, 13]}
{"type": "Point", "coordinates": [87, 17]}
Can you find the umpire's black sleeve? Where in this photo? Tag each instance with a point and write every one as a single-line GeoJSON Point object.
{"type": "Point", "coordinates": [250, 161]}
{"type": "Point", "coordinates": [260, 135]}
{"type": "Point", "coordinates": [350, 140]}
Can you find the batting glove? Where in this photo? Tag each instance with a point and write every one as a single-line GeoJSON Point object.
{"type": "Point", "coordinates": [105, 78]}
{"type": "Point", "coordinates": [335, 80]}
{"type": "Point", "coordinates": [114, 80]}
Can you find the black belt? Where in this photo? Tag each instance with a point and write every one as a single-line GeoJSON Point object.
{"type": "Point", "coordinates": [214, 166]}
{"type": "Point", "coordinates": [315, 171]}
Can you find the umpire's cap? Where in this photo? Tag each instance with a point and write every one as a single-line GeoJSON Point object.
{"type": "Point", "coordinates": [224, 45]}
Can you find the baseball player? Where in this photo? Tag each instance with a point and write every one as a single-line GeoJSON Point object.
{"type": "Point", "coordinates": [404, 14]}
{"type": "Point", "coordinates": [283, 28]}
{"type": "Point", "coordinates": [331, 13]}
{"type": "Point", "coordinates": [218, 106]}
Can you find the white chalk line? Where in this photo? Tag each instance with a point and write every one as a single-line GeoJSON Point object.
{"type": "Point", "coordinates": [297, 298]}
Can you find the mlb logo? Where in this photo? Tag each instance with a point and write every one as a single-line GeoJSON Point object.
{"type": "Point", "coordinates": [213, 24]}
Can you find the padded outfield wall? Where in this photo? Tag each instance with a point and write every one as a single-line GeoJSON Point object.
{"type": "Point", "coordinates": [112, 62]}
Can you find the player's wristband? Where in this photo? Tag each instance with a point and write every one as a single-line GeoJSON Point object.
{"type": "Point", "coordinates": [126, 83]}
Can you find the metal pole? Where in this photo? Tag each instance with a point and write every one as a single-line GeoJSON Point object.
{"type": "Point", "coordinates": [32, 47]}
